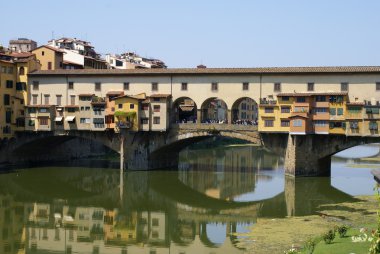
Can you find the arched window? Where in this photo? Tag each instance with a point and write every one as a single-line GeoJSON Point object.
{"type": "Point", "coordinates": [22, 71]}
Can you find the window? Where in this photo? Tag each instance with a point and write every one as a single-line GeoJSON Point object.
{"type": "Point", "coordinates": [354, 110]}
{"type": "Point", "coordinates": [285, 109]}
{"type": "Point", "coordinates": [156, 99]}
{"type": "Point", "coordinates": [156, 108]}
{"type": "Point", "coordinates": [373, 126]}
{"type": "Point", "coordinates": [9, 84]}
{"type": "Point", "coordinates": [320, 110]}
{"type": "Point", "coordinates": [36, 85]}
{"type": "Point", "coordinates": [344, 87]}
{"type": "Point", "coordinates": [131, 106]}
{"type": "Point", "coordinates": [268, 123]}
{"type": "Point", "coordinates": [8, 116]}
{"type": "Point", "coordinates": [34, 99]}
{"type": "Point", "coordinates": [243, 115]}
{"type": "Point", "coordinates": [50, 65]}
{"type": "Point", "coordinates": [285, 123]}
{"type": "Point", "coordinates": [301, 99]}
{"type": "Point", "coordinates": [126, 86]}
{"type": "Point", "coordinates": [43, 53]}
{"type": "Point", "coordinates": [277, 87]}
{"type": "Point", "coordinates": [144, 121]}
{"type": "Point", "coordinates": [120, 105]}
{"type": "Point", "coordinates": [21, 86]}
{"type": "Point", "coordinates": [320, 98]}
{"type": "Point", "coordinates": [377, 86]}
{"type": "Point", "coordinates": [184, 86]}
{"type": "Point", "coordinates": [42, 110]}
{"type": "Point", "coordinates": [144, 106]}
{"type": "Point", "coordinates": [285, 98]}
{"type": "Point", "coordinates": [72, 99]}
{"type": "Point", "coordinates": [214, 86]}
{"type": "Point", "coordinates": [268, 110]}
{"type": "Point", "coordinates": [43, 120]}
{"type": "Point", "coordinates": [7, 99]}
{"type": "Point", "coordinates": [354, 125]}
{"type": "Point", "coordinates": [339, 111]}
{"type": "Point", "coordinates": [98, 86]}
{"type": "Point", "coordinates": [47, 97]}
{"type": "Point", "coordinates": [154, 86]}
{"type": "Point", "coordinates": [297, 123]}
{"type": "Point", "coordinates": [337, 125]}
{"type": "Point", "coordinates": [3, 69]}
{"type": "Point", "coordinates": [243, 106]}
{"type": "Point", "coordinates": [21, 71]}
{"type": "Point", "coordinates": [156, 120]}
{"type": "Point", "coordinates": [155, 222]}
{"type": "Point", "coordinates": [333, 111]}
{"type": "Point", "coordinates": [71, 85]}
{"type": "Point", "coordinates": [320, 123]}
{"type": "Point", "coordinates": [245, 86]}
{"type": "Point", "coordinates": [310, 86]}
{"type": "Point", "coordinates": [10, 70]}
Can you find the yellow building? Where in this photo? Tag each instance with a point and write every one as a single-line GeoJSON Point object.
{"type": "Point", "coordinates": [7, 92]}
{"type": "Point", "coordinates": [49, 57]}
{"type": "Point", "coordinates": [354, 118]}
{"type": "Point", "coordinates": [24, 63]}
{"type": "Point", "coordinates": [127, 112]}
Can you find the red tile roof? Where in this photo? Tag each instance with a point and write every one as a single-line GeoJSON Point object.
{"type": "Point", "coordinates": [215, 71]}
{"type": "Point", "coordinates": [159, 95]}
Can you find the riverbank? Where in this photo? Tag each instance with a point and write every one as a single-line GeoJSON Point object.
{"type": "Point", "coordinates": [277, 235]}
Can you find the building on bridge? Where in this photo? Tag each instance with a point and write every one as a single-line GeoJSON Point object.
{"type": "Point", "coordinates": [292, 100]}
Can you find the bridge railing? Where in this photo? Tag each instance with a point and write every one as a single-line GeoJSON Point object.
{"type": "Point", "coordinates": [215, 126]}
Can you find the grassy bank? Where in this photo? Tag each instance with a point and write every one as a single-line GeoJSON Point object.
{"type": "Point", "coordinates": [277, 235]}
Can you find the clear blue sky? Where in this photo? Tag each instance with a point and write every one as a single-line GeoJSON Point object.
{"type": "Point", "coordinates": [218, 33]}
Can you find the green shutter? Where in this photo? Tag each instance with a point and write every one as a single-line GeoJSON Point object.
{"type": "Point", "coordinates": [340, 111]}
{"type": "Point", "coordinates": [333, 111]}
{"type": "Point", "coordinates": [375, 110]}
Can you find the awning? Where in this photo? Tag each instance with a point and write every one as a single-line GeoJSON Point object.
{"type": "Point", "coordinates": [58, 118]}
{"type": "Point", "coordinates": [70, 118]}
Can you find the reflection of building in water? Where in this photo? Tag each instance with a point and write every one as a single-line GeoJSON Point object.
{"type": "Point", "coordinates": [224, 173]}
{"type": "Point", "coordinates": [12, 234]}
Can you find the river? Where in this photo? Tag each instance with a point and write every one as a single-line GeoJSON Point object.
{"type": "Point", "coordinates": [81, 207]}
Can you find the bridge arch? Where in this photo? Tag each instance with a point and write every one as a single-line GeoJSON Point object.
{"type": "Point", "coordinates": [244, 108]}
{"type": "Point", "coordinates": [214, 110]}
{"type": "Point", "coordinates": [184, 109]}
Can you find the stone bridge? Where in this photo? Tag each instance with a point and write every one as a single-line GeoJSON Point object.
{"type": "Point", "coordinates": [305, 155]}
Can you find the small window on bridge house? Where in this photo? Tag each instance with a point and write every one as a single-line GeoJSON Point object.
{"type": "Point", "coordinates": [320, 98]}
{"type": "Point", "coordinates": [285, 98]}
{"type": "Point", "coordinates": [245, 86]}
{"type": "Point", "coordinates": [301, 99]}
{"type": "Point", "coordinates": [120, 105]}
{"type": "Point", "coordinates": [377, 86]}
{"type": "Point", "coordinates": [131, 106]}
{"type": "Point", "coordinates": [214, 86]}
{"type": "Point", "coordinates": [297, 123]}
{"type": "Point", "coordinates": [277, 87]}
{"type": "Point", "coordinates": [268, 110]}
{"type": "Point", "coordinates": [310, 86]}
{"type": "Point", "coordinates": [184, 86]}
{"type": "Point", "coordinates": [71, 85]}
{"type": "Point", "coordinates": [268, 123]}
{"type": "Point", "coordinates": [154, 86]}
{"type": "Point", "coordinates": [344, 86]}
{"type": "Point", "coordinates": [126, 86]}
{"type": "Point", "coordinates": [36, 85]}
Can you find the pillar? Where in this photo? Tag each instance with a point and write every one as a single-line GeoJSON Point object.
{"type": "Point", "coordinates": [122, 138]}
{"type": "Point", "coordinates": [302, 157]}
{"type": "Point", "coordinates": [199, 116]}
{"type": "Point", "coordinates": [229, 116]}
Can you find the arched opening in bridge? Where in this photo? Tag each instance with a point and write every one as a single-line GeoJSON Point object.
{"type": "Point", "coordinates": [184, 110]}
{"type": "Point", "coordinates": [352, 167]}
{"type": "Point", "coordinates": [214, 110]}
{"type": "Point", "coordinates": [244, 111]}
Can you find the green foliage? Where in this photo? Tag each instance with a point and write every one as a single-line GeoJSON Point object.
{"type": "Point", "coordinates": [342, 230]}
{"type": "Point", "coordinates": [329, 236]}
{"type": "Point", "coordinates": [310, 245]}
{"type": "Point", "coordinates": [375, 244]}
{"type": "Point", "coordinates": [125, 114]}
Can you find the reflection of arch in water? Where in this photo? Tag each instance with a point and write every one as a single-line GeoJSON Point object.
{"type": "Point", "coordinates": [244, 108]}
{"type": "Point", "coordinates": [214, 109]}
{"type": "Point", "coordinates": [184, 110]}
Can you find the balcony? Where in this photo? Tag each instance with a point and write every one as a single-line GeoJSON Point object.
{"type": "Point", "coordinates": [98, 101]}
{"type": "Point", "coordinates": [268, 102]}
{"type": "Point", "coordinates": [124, 125]}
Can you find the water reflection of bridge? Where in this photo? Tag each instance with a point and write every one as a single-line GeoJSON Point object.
{"type": "Point", "coordinates": [158, 213]}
